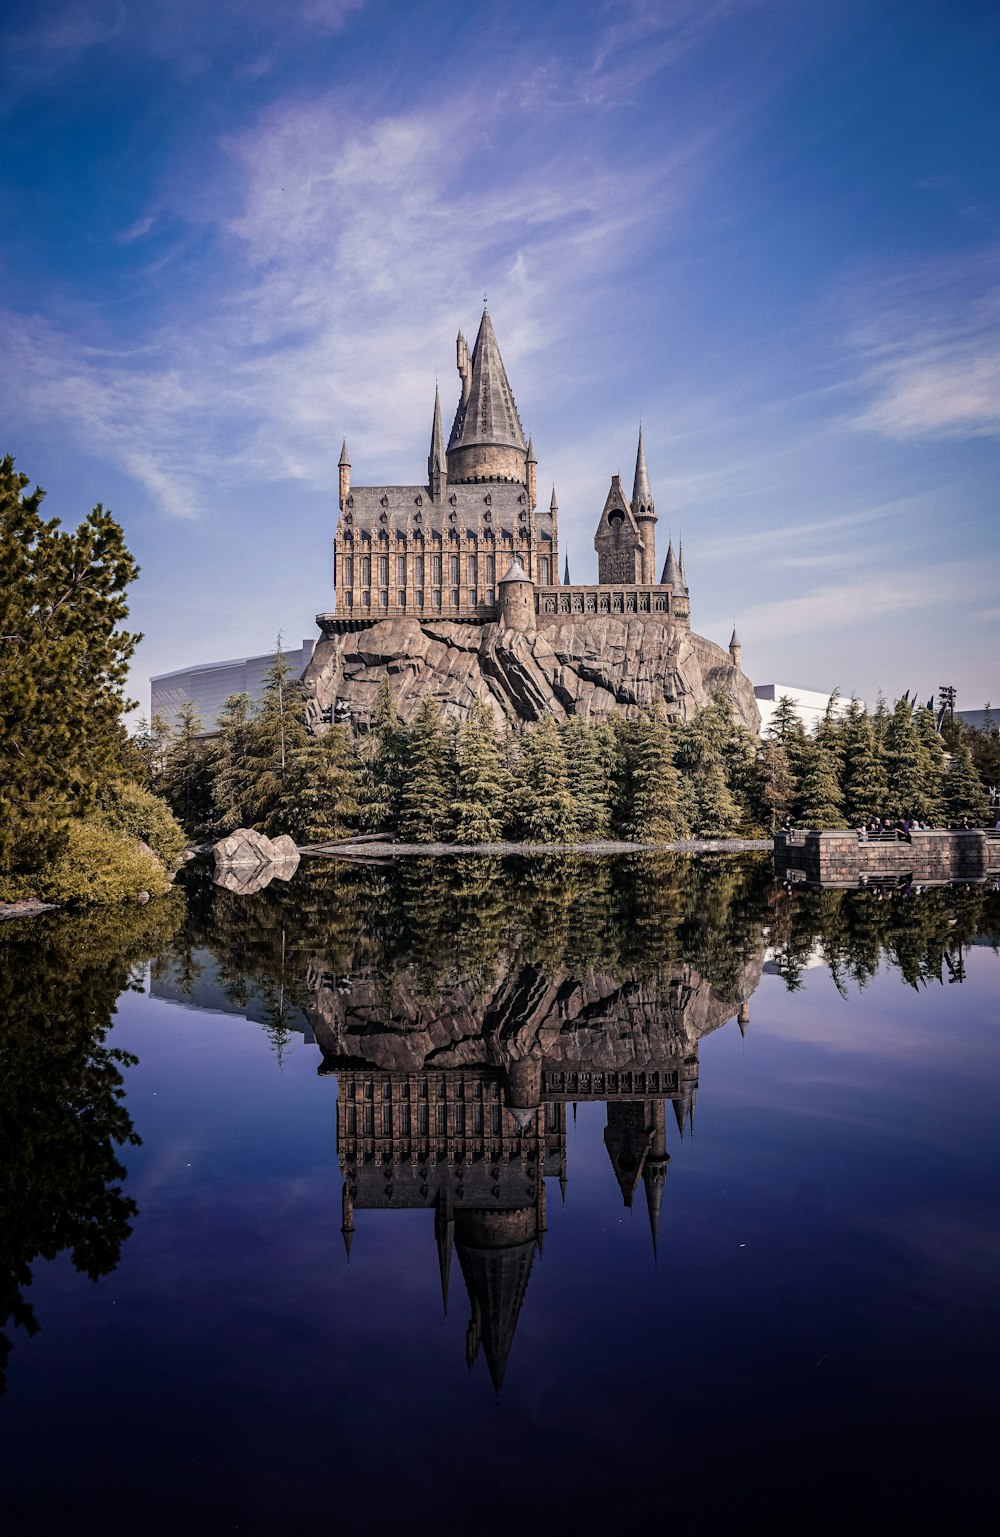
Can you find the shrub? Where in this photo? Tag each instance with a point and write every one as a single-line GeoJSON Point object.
{"type": "Point", "coordinates": [128, 808]}
{"type": "Point", "coordinates": [98, 864]}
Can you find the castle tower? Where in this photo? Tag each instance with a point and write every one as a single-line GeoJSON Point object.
{"type": "Point", "coordinates": [554, 518]}
{"type": "Point", "coordinates": [671, 574]}
{"type": "Point", "coordinates": [531, 475]}
{"type": "Point", "coordinates": [644, 513]}
{"type": "Point", "coordinates": [735, 649]}
{"type": "Point", "coordinates": [437, 464]}
{"type": "Point", "coordinates": [487, 440]}
{"type": "Point", "coordinates": [618, 541]}
{"type": "Point", "coordinates": [344, 466]}
{"type": "Point", "coordinates": [517, 599]}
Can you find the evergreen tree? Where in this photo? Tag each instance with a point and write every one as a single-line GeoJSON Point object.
{"type": "Point", "coordinates": [963, 791]}
{"type": "Point", "coordinates": [929, 805]}
{"type": "Point", "coordinates": [778, 786]}
{"type": "Point", "coordinates": [865, 789]}
{"type": "Point", "coordinates": [590, 756]}
{"type": "Point", "coordinates": [902, 763]}
{"type": "Point", "coordinates": [424, 798]}
{"type": "Point", "coordinates": [706, 803]}
{"type": "Point", "coordinates": [787, 730]}
{"type": "Point", "coordinates": [820, 803]}
{"type": "Point", "coordinates": [545, 806]}
{"type": "Point", "coordinates": [320, 803]}
{"type": "Point", "coordinates": [276, 732]}
{"type": "Point", "coordinates": [187, 774]}
{"type": "Point", "coordinates": [63, 660]}
{"type": "Point", "coordinates": [482, 784]}
{"type": "Point", "coordinates": [150, 740]}
{"type": "Point", "coordinates": [232, 799]}
{"type": "Point", "coordinates": [655, 786]}
{"type": "Point", "coordinates": [381, 766]}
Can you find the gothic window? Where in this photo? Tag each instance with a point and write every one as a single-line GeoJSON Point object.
{"type": "Point", "coordinates": [381, 517]}
{"type": "Point", "coordinates": [543, 571]}
{"type": "Point", "coordinates": [473, 568]}
{"type": "Point", "coordinates": [350, 600]}
{"type": "Point", "coordinates": [454, 597]}
{"type": "Point", "coordinates": [402, 597]}
{"type": "Point", "coordinates": [419, 501]}
{"type": "Point", "coordinates": [491, 568]}
{"type": "Point", "coordinates": [384, 500]}
{"type": "Point", "coordinates": [420, 597]}
{"type": "Point", "coordinates": [366, 570]}
{"type": "Point", "coordinates": [348, 570]}
{"type": "Point", "coordinates": [387, 1120]}
{"type": "Point", "coordinates": [453, 565]}
{"type": "Point", "coordinates": [418, 517]}
{"type": "Point", "coordinates": [489, 596]}
{"type": "Point", "coordinates": [383, 599]}
{"type": "Point", "coordinates": [473, 597]}
{"type": "Point", "coordinates": [435, 568]}
{"type": "Point", "coordinates": [419, 570]}
{"type": "Point", "coordinates": [401, 568]}
{"type": "Point", "coordinates": [383, 569]}
{"type": "Point", "coordinates": [348, 519]}
{"type": "Point", "coordinates": [437, 597]}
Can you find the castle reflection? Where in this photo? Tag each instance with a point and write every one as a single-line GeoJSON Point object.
{"type": "Point", "coordinates": [460, 1108]}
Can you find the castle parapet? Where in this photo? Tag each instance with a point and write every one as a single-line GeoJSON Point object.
{"type": "Point", "coordinates": [556, 603]}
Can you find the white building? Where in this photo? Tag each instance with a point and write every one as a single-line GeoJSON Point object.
{"type": "Point", "coordinates": [208, 686]}
{"type": "Point", "coordinates": [810, 707]}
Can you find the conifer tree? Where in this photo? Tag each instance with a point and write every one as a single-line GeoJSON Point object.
{"type": "Point", "coordinates": [276, 732]}
{"type": "Point", "coordinates": [963, 790]}
{"type": "Point", "coordinates": [381, 766]}
{"type": "Point", "coordinates": [787, 730]}
{"type": "Point", "coordinates": [820, 803]}
{"type": "Point", "coordinates": [424, 798]}
{"type": "Point", "coordinates": [865, 789]}
{"type": "Point", "coordinates": [482, 783]}
{"type": "Point", "coordinates": [902, 762]}
{"type": "Point", "coordinates": [706, 804]}
{"type": "Point", "coordinates": [545, 806]}
{"type": "Point", "coordinates": [320, 803]}
{"type": "Point", "coordinates": [232, 799]}
{"type": "Point", "coordinates": [655, 799]}
{"type": "Point", "coordinates": [187, 774]}
{"type": "Point", "coordinates": [929, 804]}
{"type": "Point", "coordinates": [590, 757]}
{"type": "Point", "coordinates": [778, 785]}
{"type": "Point", "coordinates": [150, 740]}
{"type": "Point", "coordinates": [63, 660]}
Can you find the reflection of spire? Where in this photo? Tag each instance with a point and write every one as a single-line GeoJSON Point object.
{"type": "Point", "coordinates": [684, 1107]}
{"type": "Point", "coordinates": [347, 1220]}
{"type": "Point", "coordinates": [628, 1143]}
{"type": "Point", "coordinates": [444, 1233]}
{"type": "Point", "coordinates": [654, 1177]}
{"type": "Point", "coordinates": [495, 1251]}
{"type": "Point", "coordinates": [743, 1016]}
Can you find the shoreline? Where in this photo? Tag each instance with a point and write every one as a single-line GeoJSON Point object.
{"type": "Point", "coordinates": [387, 850]}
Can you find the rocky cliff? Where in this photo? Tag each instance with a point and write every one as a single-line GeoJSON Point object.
{"type": "Point", "coordinates": [591, 667]}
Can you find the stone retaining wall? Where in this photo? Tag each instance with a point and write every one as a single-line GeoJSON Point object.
{"type": "Point", "coordinates": [841, 858]}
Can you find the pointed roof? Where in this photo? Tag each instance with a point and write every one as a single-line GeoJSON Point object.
{"type": "Point", "coordinates": [566, 580]}
{"type": "Point", "coordinates": [489, 414]}
{"type": "Point", "coordinates": [734, 639]}
{"type": "Point", "coordinates": [627, 1146]}
{"type": "Point", "coordinates": [436, 456]}
{"type": "Point", "coordinates": [642, 496]}
{"type": "Point", "coordinates": [496, 1251]}
{"type": "Point", "coordinates": [515, 573]}
{"type": "Point", "coordinates": [553, 504]}
{"type": "Point", "coordinates": [531, 453]}
{"type": "Point", "coordinates": [653, 1177]}
{"type": "Point", "coordinates": [343, 454]}
{"type": "Point", "coordinates": [680, 564]}
{"type": "Point", "coordinates": [618, 510]}
{"type": "Point", "coordinates": [671, 576]}
{"type": "Point", "coordinates": [444, 1233]}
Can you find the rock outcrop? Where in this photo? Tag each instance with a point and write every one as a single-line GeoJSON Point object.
{"type": "Point", "coordinates": [247, 861]}
{"type": "Point", "coordinates": [592, 668]}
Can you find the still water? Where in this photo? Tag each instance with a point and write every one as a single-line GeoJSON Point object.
{"type": "Point", "coordinates": [485, 1195]}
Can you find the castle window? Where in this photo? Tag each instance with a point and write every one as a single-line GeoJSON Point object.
{"type": "Point", "coordinates": [455, 597]}
{"type": "Point", "coordinates": [366, 600]}
{"type": "Point", "coordinates": [437, 597]}
{"type": "Point", "coordinates": [348, 519]}
{"type": "Point", "coordinates": [543, 571]}
{"type": "Point", "coordinates": [435, 568]}
{"type": "Point", "coordinates": [420, 597]}
{"type": "Point", "coordinates": [419, 501]}
{"type": "Point", "coordinates": [491, 568]}
{"type": "Point", "coordinates": [348, 570]}
{"type": "Point", "coordinates": [473, 597]}
{"type": "Point", "coordinates": [453, 566]}
{"type": "Point", "coordinates": [383, 569]}
{"type": "Point", "coordinates": [366, 570]}
{"type": "Point", "coordinates": [473, 568]}
{"type": "Point", "coordinates": [489, 596]}
{"type": "Point", "coordinates": [383, 599]}
{"type": "Point", "coordinates": [350, 600]}
{"type": "Point", "coordinates": [400, 568]}
{"type": "Point", "coordinates": [419, 570]}
{"type": "Point", "coordinates": [402, 597]}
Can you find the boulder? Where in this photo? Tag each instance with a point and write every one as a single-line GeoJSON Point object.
{"type": "Point", "coordinates": [248, 860]}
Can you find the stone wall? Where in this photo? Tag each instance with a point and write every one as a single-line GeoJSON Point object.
{"type": "Point", "coordinates": [841, 858]}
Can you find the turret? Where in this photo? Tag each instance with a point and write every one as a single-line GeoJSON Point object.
{"type": "Point", "coordinates": [344, 465]}
{"type": "Point", "coordinates": [735, 649]}
{"type": "Point", "coordinates": [566, 580]}
{"type": "Point", "coordinates": [531, 475]}
{"type": "Point", "coordinates": [671, 575]}
{"type": "Point", "coordinates": [644, 513]}
{"type": "Point", "coordinates": [437, 464]}
{"type": "Point", "coordinates": [554, 515]}
{"type": "Point", "coordinates": [487, 441]}
{"type": "Point", "coordinates": [517, 599]}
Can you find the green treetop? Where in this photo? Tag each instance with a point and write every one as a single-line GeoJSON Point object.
{"type": "Point", "coordinates": [545, 805]}
{"type": "Point", "coordinates": [482, 783]}
{"type": "Point", "coordinates": [424, 789]}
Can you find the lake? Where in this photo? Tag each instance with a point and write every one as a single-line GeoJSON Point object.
{"type": "Point", "coordinates": [486, 1193]}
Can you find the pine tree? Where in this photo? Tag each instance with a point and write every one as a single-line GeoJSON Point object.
{"type": "Point", "coordinates": [545, 805]}
{"type": "Point", "coordinates": [63, 661]}
{"type": "Point", "coordinates": [381, 766]}
{"type": "Point", "coordinates": [706, 803]}
{"type": "Point", "coordinates": [150, 741]}
{"type": "Point", "coordinates": [865, 789]}
{"type": "Point", "coordinates": [820, 803]}
{"type": "Point", "coordinates": [482, 783]}
{"type": "Point", "coordinates": [276, 732]}
{"type": "Point", "coordinates": [590, 754]}
{"type": "Point", "coordinates": [187, 774]}
{"type": "Point", "coordinates": [424, 798]}
{"type": "Point", "coordinates": [320, 803]}
{"type": "Point", "coordinates": [929, 804]}
{"type": "Point", "coordinates": [232, 780]}
{"type": "Point", "coordinates": [787, 730]}
{"type": "Point", "coordinates": [655, 809]}
{"type": "Point", "coordinates": [902, 762]}
{"type": "Point", "coordinates": [778, 786]}
{"type": "Point", "coordinates": [963, 790]}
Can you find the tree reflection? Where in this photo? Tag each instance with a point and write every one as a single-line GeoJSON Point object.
{"type": "Point", "coordinates": [62, 1107]}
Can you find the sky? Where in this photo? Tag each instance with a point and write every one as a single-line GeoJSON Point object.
{"type": "Point", "coordinates": [235, 231]}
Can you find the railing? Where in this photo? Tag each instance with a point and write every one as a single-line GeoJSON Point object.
{"type": "Point", "coordinates": [605, 599]}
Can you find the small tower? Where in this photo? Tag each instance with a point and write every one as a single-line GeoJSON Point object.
{"type": "Point", "coordinates": [644, 514]}
{"type": "Point", "coordinates": [554, 516]}
{"type": "Point", "coordinates": [347, 1219]}
{"type": "Point", "coordinates": [437, 464]}
{"type": "Point", "coordinates": [735, 649]}
{"type": "Point", "coordinates": [531, 475]}
{"type": "Point", "coordinates": [671, 575]}
{"type": "Point", "coordinates": [517, 599]}
{"type": "Point", "coordinates": [344, 465]}
{"type": "Point", "coordinates": [566, 580]}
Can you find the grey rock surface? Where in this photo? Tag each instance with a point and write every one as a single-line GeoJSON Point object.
{"type": "Point", "coordinates": [592, 668]}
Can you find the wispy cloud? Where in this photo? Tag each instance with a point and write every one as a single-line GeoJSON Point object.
{"type": "Point", "coordinates": [928, 345]}
{"type": "Point", "coordinates": [865, 600]}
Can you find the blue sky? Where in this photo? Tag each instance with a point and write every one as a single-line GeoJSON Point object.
{"type": "Point", "coordinates": [235, 231]}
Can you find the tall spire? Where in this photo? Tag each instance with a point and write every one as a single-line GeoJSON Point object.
{"type": "Point", "coordinates": [487, 440]}
{"type": "Point", "coordinates": [680, 564]}
{"type": "Point", "coordinates": [437, 464]}
{"type": "Point", "coordinates": [566, 580]}
{"type": "Point", "coordinates": [653, 1178]}
{"type": "Point", "coordinates": [642, 496]}
{"type": "Point", "coordinates": [444, 1233]}
{"type": "Point", "coordinates": [671, 571]}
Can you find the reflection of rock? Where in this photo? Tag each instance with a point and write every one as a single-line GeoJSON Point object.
{"type": "Point", "coordinates": [591, 668]}
{"type": "Point", "coordinates": [247, 861]}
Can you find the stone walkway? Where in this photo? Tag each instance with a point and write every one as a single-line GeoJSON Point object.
{"type": "Point", "coordinates": [376, 849]}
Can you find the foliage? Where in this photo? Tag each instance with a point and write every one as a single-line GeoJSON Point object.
{"type": "Point", "coordinates": [482, 785]}
{"type": "Point", "coordinates": [186, 781]}
{"type": "Point", "coordinates": [323, 788]}
{"type": "Point", "coordinates": [127, 808]}
{"type": "Point", "coordinates": [963, 790]}
{"type": "Point", "coordinates": [95, 863]}
{"type": "Point", "coordinates": [425, 800]}
{"type": "Point", "coordinates": [545, 809]}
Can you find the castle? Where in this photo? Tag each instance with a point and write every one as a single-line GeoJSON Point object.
{"type": "Point", "coordinates": [472, 543]}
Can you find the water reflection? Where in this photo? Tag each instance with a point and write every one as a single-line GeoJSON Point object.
{"type": "Point", "coordinates": [462, 1007]}
{"type": "Point", "coordinates": [62, 1093]}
